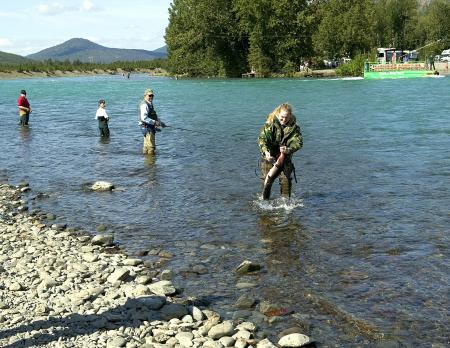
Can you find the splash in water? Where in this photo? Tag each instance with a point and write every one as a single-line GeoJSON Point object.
{"type": "Point", "coordinates": [281, 203]}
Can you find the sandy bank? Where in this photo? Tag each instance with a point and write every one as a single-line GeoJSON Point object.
{"type": "Point", "coordinates": [61, 287]}
{"type": "Point", "coordinates": [58, 73]}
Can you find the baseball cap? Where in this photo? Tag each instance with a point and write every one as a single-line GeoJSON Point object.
{"type": "Point", "coordinates": [148, 92]}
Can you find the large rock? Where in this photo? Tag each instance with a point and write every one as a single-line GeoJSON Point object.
{"type": "Point", "coordinates": [224, 329]}
{"type": "Point", "coordinates": [102, 186]}
{"type": "Point", "coordinates": [163, 287]}
{"type": "Point", "coordinates": [103, 239]}
{"type": "Point", "coordinates": [173, 310]}
{"type": "Point", "coordinates": [118, 274]}
{"type": "Point", "coordinates": [146, 302]}
{"type": "Point", "coordinates": [294, 340]}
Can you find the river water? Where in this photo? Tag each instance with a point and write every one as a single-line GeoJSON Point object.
{"type": "Point", "coordinates": [360, 253]}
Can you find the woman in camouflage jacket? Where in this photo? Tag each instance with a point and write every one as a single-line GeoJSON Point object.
{"type": "Point", "coordinates": [280, 134]}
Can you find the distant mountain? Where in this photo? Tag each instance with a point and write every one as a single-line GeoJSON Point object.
{"type": "Point", "coordinates": [88, 51]}
{"type": "Point", "coordinates": [12, 59]}
{"type": "Point", "coordinates": [161, 50]}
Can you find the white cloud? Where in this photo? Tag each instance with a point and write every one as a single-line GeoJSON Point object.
{"type": "Point", "coordinates": [87, 6]}
{"type": "Point", "coordinates": [51, 9]}
{"type": "Point", "coordinates": [4, 42]}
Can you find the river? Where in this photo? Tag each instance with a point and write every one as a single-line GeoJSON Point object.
{"type": "Point", "coordinates": [360, 254]}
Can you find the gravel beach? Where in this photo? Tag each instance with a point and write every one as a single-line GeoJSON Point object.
{"type": "Point", "coordinates": [65, 288]}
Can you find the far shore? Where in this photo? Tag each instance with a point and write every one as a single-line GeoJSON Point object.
{"type": "Point", "coordinates": [10, 75]}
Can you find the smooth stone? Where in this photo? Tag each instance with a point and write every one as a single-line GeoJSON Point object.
{"type": "Point", "coordinates": [294, 340]}
{"type": "Point", "coordinates": [103, 239]}
{"type": "Point", "coordinates": [224, 329]}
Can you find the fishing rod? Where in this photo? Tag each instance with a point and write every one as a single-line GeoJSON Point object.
{"type": "Point", "coordinates": [187, 130]}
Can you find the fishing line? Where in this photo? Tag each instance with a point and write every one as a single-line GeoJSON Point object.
{"type": "Point", "coordinates": [187, 130]}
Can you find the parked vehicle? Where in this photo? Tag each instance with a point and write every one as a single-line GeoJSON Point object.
{"type": "Point", "coordinates": [445, 56]}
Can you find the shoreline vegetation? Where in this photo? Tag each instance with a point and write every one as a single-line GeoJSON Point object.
{"type": "Point", "coordinates": [60, 285]}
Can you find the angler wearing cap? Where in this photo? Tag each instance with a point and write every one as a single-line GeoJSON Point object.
{"type": "Point", "coordinates": [24, 108]}
{"type": "Point", "coordinates": [279, 139]}
{"type": "Point", "coordinates": [102, 118]}
{"type": "Point", "coordinates": [149, 122]}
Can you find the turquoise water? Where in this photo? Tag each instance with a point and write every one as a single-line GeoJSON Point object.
{"type": "Point", "coordinates": [360, 252]}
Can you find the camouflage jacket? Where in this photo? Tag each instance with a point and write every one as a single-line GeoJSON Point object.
{"type": "Point", "coordinates": [273, 135]}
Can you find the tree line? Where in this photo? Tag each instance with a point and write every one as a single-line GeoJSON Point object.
{"type": "Point", "coordinates": [50, 65]}
{"type": "Point", "coordinates": [226, 38]}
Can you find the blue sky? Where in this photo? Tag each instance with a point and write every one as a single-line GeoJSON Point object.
{"type": "Point", "coordinates": [28, 26]}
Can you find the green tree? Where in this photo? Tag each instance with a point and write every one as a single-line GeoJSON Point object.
{"type": "Point", "coordinates": [402, 20]}
{"type": "Point", "coordinates": [346, 28]}
{"type": "Point", "coordinates": [202, 38]}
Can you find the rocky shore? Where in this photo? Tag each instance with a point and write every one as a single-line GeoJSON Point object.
{"type": "Point", "coordinates": [60, 287]}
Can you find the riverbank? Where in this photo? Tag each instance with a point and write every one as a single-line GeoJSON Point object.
{"type": "Point", "coordinates": [58, 73]}
{"type": "Point", "coordinates": [62, 287]}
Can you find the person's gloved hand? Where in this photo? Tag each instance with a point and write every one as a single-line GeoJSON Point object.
{"type": "Point", "coordinates": [269, 158]}
{"type": "Point", "coordinates": [285, 149]}
{"type": "Point", "coordinates": [157, 129]}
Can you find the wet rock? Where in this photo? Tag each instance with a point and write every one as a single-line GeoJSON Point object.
{"type": "Point", "coordinates": [247, 267]}
{"type": "Point", "coordinates": [291, 330]}
{"type": "Point", "coordinates": [102, 186]}
{"type": "Point", "coordinates": [163, 287]}
{"type": "Point", "coordinates": [132, 262]}
{"type": "Point", "coordinates": [246, 285]}
{"type": "Point", "coordinates": [103, 240]}
{"type": "Point", "coordinates": [173, 310]}
{"type": "Point", "coordinates": [101, 228]}
{"type": "Point", "coordinates": [245, 301]}
{"type": "Point", "coordinates": [51, 216]}
{"type": "Point", "coordinates": [165, 254]}
{"type": "Point", "coordinates": [167, 274]}
{"type": "Point", "coordinates": [59, 227]}
{"type": "Point", "coordinates": [294, 340]}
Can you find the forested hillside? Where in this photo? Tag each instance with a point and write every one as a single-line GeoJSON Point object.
{"type": "Point", "coordinates": [229, 37]}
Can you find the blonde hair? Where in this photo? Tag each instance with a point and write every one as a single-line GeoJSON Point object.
{"type": "Point", "coordinates": [277, 111]}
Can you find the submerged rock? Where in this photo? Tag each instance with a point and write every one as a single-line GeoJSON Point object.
{"type": "Point", "coordinates": [247, 267]}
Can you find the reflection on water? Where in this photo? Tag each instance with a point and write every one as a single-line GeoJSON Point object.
{"type": "Point", "coordinates": [25, 133]}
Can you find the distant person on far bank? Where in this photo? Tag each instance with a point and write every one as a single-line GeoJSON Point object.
{"type": "Point", "coordinates": [431, 63]}
{"type": "Point", "coordinates": [103, 119]}
{"type": "Point", "coordinates": [279, 138]}
{"type": "Point", "coordinates": [149, 122]}
{"type": "Point", "coordinates": [24, 108]}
